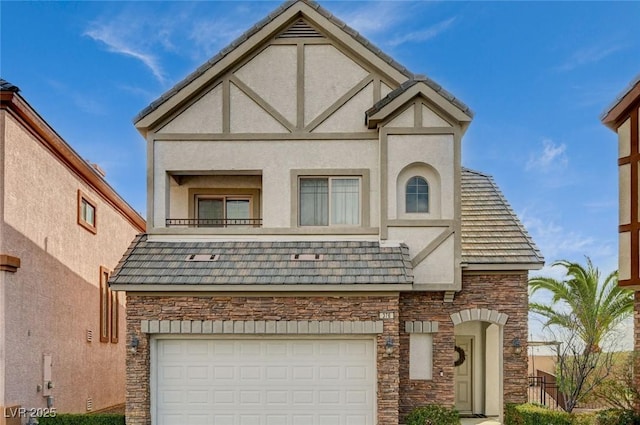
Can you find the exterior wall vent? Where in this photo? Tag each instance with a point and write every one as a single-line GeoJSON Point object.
{"type": "Point", "coordinates": [89, 404]}
{"type": "Point", "coordinates": [202, 257]}
{"type": "Point", "coordinates": [300, 29]}
{"type": "Point", "coordinates": [306, 257]}
{"type": "Point", "coordinates": [89, 335]}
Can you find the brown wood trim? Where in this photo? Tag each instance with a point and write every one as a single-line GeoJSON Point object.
{"type": "Point", "coordinates": [52, 141]}
{"type": "Point", "coordinates": [105, 305]}
{"type": "Point", "coordinates": [635, 225]}
{"type": "Point", "coordinates": [93, 228]}
{"type": "Point", "coordinates": [624, 160]}
{"type": "Point", "coordinates": [9, 263]}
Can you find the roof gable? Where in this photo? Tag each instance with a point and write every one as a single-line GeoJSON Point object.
{"type": "Point", "coordinates": [419, 86]}
{"type": "Point", "coordinates": [294, 19]}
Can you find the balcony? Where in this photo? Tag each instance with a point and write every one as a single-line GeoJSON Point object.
{"type": "Point", "coordinates": [213, 202]}
{"type": "Point", "coordinates": [213, 222]}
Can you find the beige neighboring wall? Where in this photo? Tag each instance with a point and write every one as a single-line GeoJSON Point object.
{"type": "Point", "coordinates": [51, 302]}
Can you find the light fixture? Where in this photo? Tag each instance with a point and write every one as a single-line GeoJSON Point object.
{"type": "Point", "coordinates": [388, 346]}
{"type": "Point", "coordinates": [133, 347]}
{"type": "Point", "coordinates": [517, 346]}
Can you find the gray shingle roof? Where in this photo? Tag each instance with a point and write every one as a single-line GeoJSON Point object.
{"type": "Point", "coordinates": [261, 24]}
{"type": "Point", "coordinates": [7, 86]}
{"type": "Point", "coordinates": [491, 231]}
{"type": "Point", "coordinates": [262, 263]}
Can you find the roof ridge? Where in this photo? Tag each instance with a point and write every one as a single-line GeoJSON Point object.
{"type": "Point", "coordinates": [480, 173]}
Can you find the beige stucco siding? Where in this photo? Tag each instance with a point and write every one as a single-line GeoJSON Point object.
{"type": "Point", "coordinates": [624, 258]}
{"type": "Point", "coordinates": [328, 75]}
{"type": "Point", "coordinates": [275, 159]}
{"type": "Point", "coordinates": [437, 151]}
{"type": "Point", "coordinates": [54, 296]}
{"type": "Point", "coordinates": [349, 118]}
{"type": "Point", "coordinates": [431, 119]}
{"type": "Point", "coordinates": [203, 116]}
{"type": "Point", "coordinates": [624, 188]}
{"type": "Point", "coordinates": [272, 75]}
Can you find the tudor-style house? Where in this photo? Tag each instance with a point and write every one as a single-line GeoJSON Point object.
{"type": "Point", "coordinates": [623, 118]}
{"type": "Point", "coordinates": [62, 230]}
{"type": "Point", "coordinates": [315, 252]}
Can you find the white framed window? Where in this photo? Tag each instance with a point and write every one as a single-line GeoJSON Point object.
{"type": "Point", "coordinates": [218, 211]}
{"type": "Point", "coordinates": [417, 195]}
{"type": "Point", "coordinates": [329, 201]}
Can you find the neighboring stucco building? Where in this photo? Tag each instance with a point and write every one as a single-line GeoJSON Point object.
{"type": "Point", "coordinates": [63, 229]}
{"type": "Point", "coordinates": [622, 117]}
{"type": "Point", "coordinates": [316, 254]}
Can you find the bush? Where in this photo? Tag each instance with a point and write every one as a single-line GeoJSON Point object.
{"type": "Point", "coordinates": [617, 417]}
{"type": "Point", "coordinates": [83, 419]}
{"type": "Point", "coordinates": [534, 414]}
{"type": "Point", "coordinates": [433, 414]}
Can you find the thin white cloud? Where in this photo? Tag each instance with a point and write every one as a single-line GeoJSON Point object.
{"type": "Point", "coordinates": [374, 17]}
{"type": "Point", "coordinates": [423, 35]}
{"type": "Point", "coordinates": [589, 55]}
{"type": "Point", "coordinates": [121, 38]}
{"type": "Point", "coordinates": [553, 156]}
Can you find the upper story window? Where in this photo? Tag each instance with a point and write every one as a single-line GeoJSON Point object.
{"type": "Point", "coordinates": [417, 195]}
{"type": "Point", "coordinates": [86, 212]}
{"type": "Point", "coordinates": [329, 201]}
{"type": "Point", "coordinates": [219, 211]}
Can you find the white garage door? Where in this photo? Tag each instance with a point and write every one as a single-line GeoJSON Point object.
{"type": "Point", "coordinates": [265, 382]}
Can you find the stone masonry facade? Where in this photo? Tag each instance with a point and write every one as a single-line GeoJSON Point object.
{"type": "Point", "coordinates": [147, 315]}
{"type": "Point", "coordinates": [260, 308]}
{"type": "Point", "coordinates": [504, 293]}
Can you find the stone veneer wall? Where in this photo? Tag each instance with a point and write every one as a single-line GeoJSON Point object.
{"type": "Point", "coordinates": [323, 308]}
{"type": "Point", "coordinates": [504, 293]}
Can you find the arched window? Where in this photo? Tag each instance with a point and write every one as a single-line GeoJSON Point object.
{"type": "Point", "coordinates": [417, 195]}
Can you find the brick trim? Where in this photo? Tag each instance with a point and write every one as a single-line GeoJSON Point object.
{"type": "Point", "coordinates": [421, 327]}
{"type": "Point", "coordinates": [482, 314]}
{"type": "Point", "coordinates": [262, 327]}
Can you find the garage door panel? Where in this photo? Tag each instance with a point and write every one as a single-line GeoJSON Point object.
{"type": "Point", "coordinates": [265, 381]}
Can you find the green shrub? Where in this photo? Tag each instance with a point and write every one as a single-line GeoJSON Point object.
{"type": "Point", "coordinates": [617, 417]}
{"type": "Point", "coordinates": [534, 414]}
{"type": "Point", "coordinates": [433, 414]}
{"type": "Point", "coordinates": [83, 419]}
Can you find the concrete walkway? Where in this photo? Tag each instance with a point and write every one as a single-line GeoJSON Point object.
{"type": "Point", "coordinates": [480, 421]}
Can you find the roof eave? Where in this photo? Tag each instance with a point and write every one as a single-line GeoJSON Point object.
{"type": "Point", "coordinates": [11, 100]}
{"type": "Point", "coordinates": [365, 287]}
{"type": "Point", "coordinates": [502, 266]}
{"type": "Point", "coordinates": [617, 112]}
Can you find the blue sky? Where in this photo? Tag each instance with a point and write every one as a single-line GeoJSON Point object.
{"type": "Point", "coordinates": [537, 75]}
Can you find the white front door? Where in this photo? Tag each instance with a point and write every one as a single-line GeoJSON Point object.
{"type": "Point", "coordinates": [464, 374]}
{"type": "Point", "coordinates": [264, 382]}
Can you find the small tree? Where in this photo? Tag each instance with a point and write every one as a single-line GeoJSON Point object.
{"type": "Point", "coordinates": [582, 314]}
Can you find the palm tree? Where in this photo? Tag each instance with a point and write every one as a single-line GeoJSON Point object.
{"type": "Point", "coordinates": [590, 309]}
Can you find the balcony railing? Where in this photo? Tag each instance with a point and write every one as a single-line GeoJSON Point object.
{"type": "Point", "coordinates": [213, 222]}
